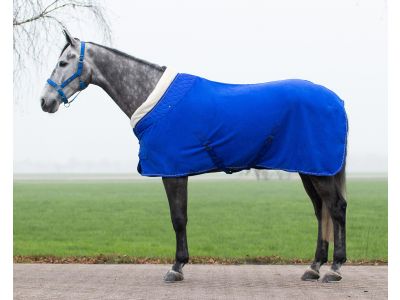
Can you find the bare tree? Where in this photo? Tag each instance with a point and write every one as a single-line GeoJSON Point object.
{"type": "Point", "coordinates": [35, 22]}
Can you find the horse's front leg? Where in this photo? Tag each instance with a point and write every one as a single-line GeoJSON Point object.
{"type": "Point", "coordinates": [176, 189]}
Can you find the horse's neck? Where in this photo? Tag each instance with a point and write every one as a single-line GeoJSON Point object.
{"type": "Point", "coordinates": [127, 80]}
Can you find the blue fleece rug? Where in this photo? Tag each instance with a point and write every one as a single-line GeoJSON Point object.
{"type": "Point", "coordinates": [201, 126]}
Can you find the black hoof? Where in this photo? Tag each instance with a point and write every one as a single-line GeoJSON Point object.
{"type": "Point", "coordinates": [173, 276]}
{"type": "Point", "coordinates": [332, 276]}
{"type": "Point", "coordinates": [310, 275]}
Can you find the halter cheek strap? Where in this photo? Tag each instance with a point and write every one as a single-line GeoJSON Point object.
{"type": "Point", "coordinates": [82, 85]}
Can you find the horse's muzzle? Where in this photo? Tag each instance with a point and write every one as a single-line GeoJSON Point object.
{"type": "Point", "coordinates": [49, 106]}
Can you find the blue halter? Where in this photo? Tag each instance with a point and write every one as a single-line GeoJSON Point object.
{"type": "Point", "coordinates": [77, 74]}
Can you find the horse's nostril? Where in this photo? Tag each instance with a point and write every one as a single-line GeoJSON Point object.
{"type": "Point", "coordinates": [42, 102]}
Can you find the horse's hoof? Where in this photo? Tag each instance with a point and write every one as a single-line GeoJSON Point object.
{"type": "Point", "coordinates": [173, 276]}
{"type": "Point", "coordinates": [332, 276]}
{"type": "Point", "coordinates": [310, 275]}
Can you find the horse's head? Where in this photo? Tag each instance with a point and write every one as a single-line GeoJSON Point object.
{"type": "Point", "coordinates": [71, 75]}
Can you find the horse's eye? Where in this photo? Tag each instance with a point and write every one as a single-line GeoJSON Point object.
{"type": "Point", "coordinates": [62, 64]}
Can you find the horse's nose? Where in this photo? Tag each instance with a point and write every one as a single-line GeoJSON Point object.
{"type": "Point", "coordinates": [42, 102]}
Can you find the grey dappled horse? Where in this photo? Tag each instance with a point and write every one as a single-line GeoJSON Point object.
{"type": "Point", "coordinates": [129, 81]}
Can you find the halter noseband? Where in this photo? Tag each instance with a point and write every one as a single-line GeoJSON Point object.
{"type": "Point", "coordinates": [77, 74]}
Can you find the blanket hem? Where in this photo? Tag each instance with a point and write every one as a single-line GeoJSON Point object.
{"type": "Point", "coordinates": [258, 167]}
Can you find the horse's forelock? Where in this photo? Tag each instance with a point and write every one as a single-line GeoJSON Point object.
{"type": "Point", "coordinates": [65, 47]}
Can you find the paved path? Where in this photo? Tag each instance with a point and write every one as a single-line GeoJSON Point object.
{"type": "Point", "coordinates": [51, 281]}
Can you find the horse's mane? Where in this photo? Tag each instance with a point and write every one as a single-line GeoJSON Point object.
{"type": "Point", "coordinates": [123, 54]}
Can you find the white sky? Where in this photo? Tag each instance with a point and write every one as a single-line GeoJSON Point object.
{"type": "Point", "coordinates": [340, 44]}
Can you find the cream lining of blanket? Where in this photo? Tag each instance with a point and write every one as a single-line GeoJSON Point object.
{"type": "Point", "coordinates": [155, 96]}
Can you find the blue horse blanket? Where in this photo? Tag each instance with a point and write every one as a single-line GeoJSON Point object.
{"type": "Point", "coordinates": [198, 126]}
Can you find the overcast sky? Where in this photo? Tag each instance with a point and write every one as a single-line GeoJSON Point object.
{"type": "Point", "coordinates": [340, 44]}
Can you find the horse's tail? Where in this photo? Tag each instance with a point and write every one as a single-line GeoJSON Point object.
{"type": "Point", "coordinates": [340, 182]}
{"type": "Point", "coordinates": [326, 223]}
{"type": "Point", "coordinates": [340, 188]}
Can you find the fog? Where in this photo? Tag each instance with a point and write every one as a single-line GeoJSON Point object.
{"type": "Point", "coordinates": [340, 44]}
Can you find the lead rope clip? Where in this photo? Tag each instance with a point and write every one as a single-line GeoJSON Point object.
{"type": "Point", "coordinates": [67, 104]}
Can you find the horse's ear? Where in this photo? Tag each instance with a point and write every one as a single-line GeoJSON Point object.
{"type": "Point", "coordinates": [69, 38]}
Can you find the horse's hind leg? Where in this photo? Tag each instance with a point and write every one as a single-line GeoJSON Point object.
{"type": "Point", "coordinates": [176, 189]}
{"type": "Point", "coordinates": [331, 190]}
{"type": "Point", "coordinates": [324, 228]}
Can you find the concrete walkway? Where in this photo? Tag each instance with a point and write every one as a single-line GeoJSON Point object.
{"type": "Point", "coordinates": [72, 281]}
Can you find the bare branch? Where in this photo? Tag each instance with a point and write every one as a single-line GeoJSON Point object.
{"type": "Point", "coordinates": [36, 22]}
{"type": "Point", "coordinates": [46, 12]}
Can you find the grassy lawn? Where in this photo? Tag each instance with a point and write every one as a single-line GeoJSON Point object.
{"type": "Point", "coordinates": [227, 219]}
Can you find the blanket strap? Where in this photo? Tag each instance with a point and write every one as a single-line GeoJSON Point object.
{"type": "Point", "coordinates": [216, 160]}
{"type": "Point", "coordinates": [260, 154]}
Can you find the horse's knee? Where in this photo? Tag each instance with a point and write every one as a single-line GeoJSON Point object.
{"type": "Point", "coordinates": [179, 223]}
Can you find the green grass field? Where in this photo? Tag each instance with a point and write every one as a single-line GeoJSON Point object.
{"type": "Point", "coordinates": [227, 219]}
